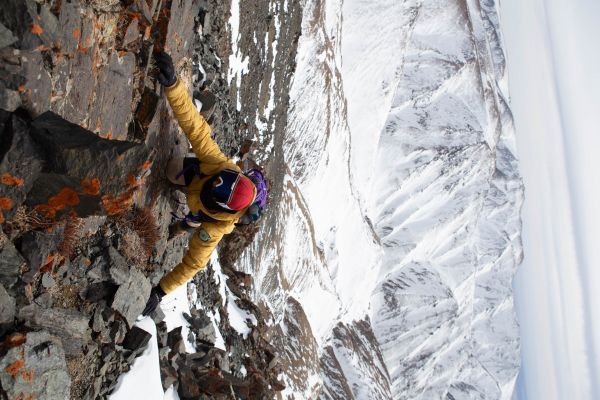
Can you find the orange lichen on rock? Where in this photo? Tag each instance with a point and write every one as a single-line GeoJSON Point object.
{"type": "Point", "coordinates": [77, 33]}
{"type": "Point", "coordinates": [132, 181]}
{"type": "Point", "coordinates": [23, 396]}
{"type": "Point", "coordinates": [14, 340]}
{"type": "Point", "coordinates": [146, 165]}
{"type": "Point", "coordinates": [27, 376]}
{"type": "Point", "coordinates": [10, 180]}
{"type": "Point", "coordinates": [91, 186]}
{"type": "Point", "coordinates": [2, 219]}
{"type": "Point", "coordinates": [116, 205]}
{"type": "Point", "coordinates": [66, 197]}
{"type": "Point", "coordinates": [36, 29]}
{"type": "Point", "coordinates": [48, 211]}
{"type": "Point", "coordinates": [6, 203]}
{"type": "Point", "coordinates": [14, 368]}
{"type": "Point", "coordinates": [82, 49]}
{"type": "Point", "coordinates": [47, 267]}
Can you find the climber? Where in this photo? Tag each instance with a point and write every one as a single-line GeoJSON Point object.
{"type": "Point", "coordinates": [218, 194]}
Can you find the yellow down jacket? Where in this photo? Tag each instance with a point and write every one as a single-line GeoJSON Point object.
{"type": "Point", "coordinates": [212, 161]}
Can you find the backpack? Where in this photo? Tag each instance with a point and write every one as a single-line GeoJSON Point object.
{"type": "Point", "coordinates": [254, 212]}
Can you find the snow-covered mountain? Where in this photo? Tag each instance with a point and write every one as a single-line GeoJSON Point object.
{"type": "Point", "coordinates": [388, 257]}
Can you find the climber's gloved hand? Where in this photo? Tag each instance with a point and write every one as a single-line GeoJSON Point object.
{"type": "Point", "coordinates": [156, 295]}
{"type": "Point", "coordinates": [166, 74]}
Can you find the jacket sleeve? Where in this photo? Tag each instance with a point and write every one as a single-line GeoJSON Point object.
{"type": "Point", "coordinates": [197, 256]}
{"type": "Point", "coordinates": [194, 125]}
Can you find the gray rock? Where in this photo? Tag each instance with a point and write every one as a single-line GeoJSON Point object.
{"type": "Point", "coordinates": [175, 342]}
{"type": "Point", "coordinates": [98, 324]}
{"type": "Point", "coordinates": [6, 36]}
{"type": "Point", "coordinates": [131, 297]}
{"type": "Point", "coordinates": [132, 34]}
{"type": "Point", "coordinates": [7, 310]}
{"type": "Point", "coordinates": [11, 262]}
{"type": "Point", "coordinates": [36, 100]}
{"type": "Point", "coordinates": [36, 246]}
{"type": "Point", "coordinates": [69, 21]}
{"type": "Point", "coordinates": [168, 375]}
{"type": "Point", "coordinates": [78, 267]}
{"type": "Point", "coordinates": [63, 269]}
{"type": "Point", "coordinates": [90, 225]}
{"type": "Point", "coordinates": [98, 271]}
{"type": "Point", "coordinates": [36, 369]}
{"type": "Point", "coordinates": [20, 158]}
{"type": "Point", "coordinates": [202, 326]}
{"type": "Point", "coordinates": [118, 331]}
{"type": "Point", "coordinates": [47, 280]}
{"type": "Point", "coordinates": [10, 100]}
{"type": "Point", "coordinates": [112, 108]}
{"type": "Point", "coordinates": [80, 77]}
{"type": "Point", "coordinates": [120, 271]}
{"type": "Point", "coordinates": [44, 300]}
{"type": "Point", "coordinates": [207, 334]}
{"type": "Point", "coordinates": [105, 186]}
{"type": "Point", "coordinates": [136, 340]}
{"type": "Point", "coordinates": [162, 334]}
{"type": "Point", "coordinates": [98, 291]}
{"type": "Point", "coordinates": [71, 326]}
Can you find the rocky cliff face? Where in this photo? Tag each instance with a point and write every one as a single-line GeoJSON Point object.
{"type": "Point", "coordinates": [85, 204]}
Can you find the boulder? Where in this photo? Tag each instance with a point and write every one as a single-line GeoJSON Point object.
{"type": "Point", "coordinates": [168, 374]}
{"type": "Point", "coordinates": [47, 280]}
{"type": "Point", "coordinates": [136, 340]}
{"type": "Point", "coordinates": [37, 91]}
{"type": "Point", "coordinates": [20, 162]}
{"type": "Point", "coordinates": [7, 310]}
{"type": "Point", "coordinates": [189, 387]}
{"type": "Point", "coordinates": [131, 296]}
{"type": "Point", "coordinates": [10, 100]}
{"type": "Point", "coordinates": [70, 326]}
{"type": "Point", "coordinates": [39, 248]}
{"type": "Point", "coordinates": [111, 112]}
{"type": "Point", "coordinates": [202, 326]}
{"type": "Point", "coordinates": [98, 271]}
{"type": "Point", "coordinates": [11, 262]}
{"type": "Point", "coordinates": [36, 369]}
{"type": "Point", "coordinates": [6, 36]}
{"type": "Point", "coordinates": [71, 183]}
{"type": "Point", "coordinates": [98, 291]}
{"type": "Point", "coordinates": [70, 27]}
{"type": "Point", "coordinates": [120, 272]}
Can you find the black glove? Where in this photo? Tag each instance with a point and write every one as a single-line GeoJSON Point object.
{"type": "Point", "coordinates": [166, 74]}
{"type": "Point", "coordinates": [156, 296]}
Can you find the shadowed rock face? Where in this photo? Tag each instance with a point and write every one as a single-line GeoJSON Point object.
{"type": "Point", "coordinates": [85, 134]}
{"type": "Point", "coordinates": [58, 168]}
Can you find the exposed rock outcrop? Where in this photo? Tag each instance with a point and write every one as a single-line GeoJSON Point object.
{"type": "Point", "coordinates": [85, 137]}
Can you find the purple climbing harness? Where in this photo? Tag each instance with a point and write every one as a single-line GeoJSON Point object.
{"type": "Point", "coordinates": [262, 187]}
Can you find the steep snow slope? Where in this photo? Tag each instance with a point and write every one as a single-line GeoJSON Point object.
{"type": "Point", "coordinates": [397, 231]}
{"type": "Point", "coordinates": [445, 202]}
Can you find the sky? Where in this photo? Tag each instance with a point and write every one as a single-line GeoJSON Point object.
{"type": "Point", "coordinates": [554, 82]}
